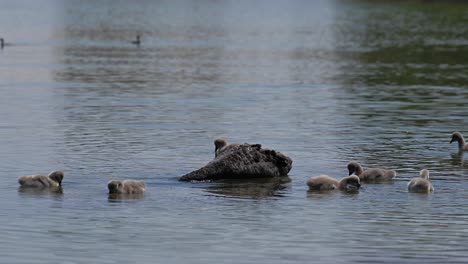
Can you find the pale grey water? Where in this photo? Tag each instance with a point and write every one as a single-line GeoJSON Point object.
{"type": "Point", "coordinates": [324, 82]}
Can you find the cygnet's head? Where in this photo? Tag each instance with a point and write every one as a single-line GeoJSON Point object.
{"type": "Point", "coordinates": [424, 174]}
{"type": "Point", "coordinates": [352, 182]}
{"type": "Point", "coordinates": [220, 143]}
{"type": "Point", "coordinates": [354, 168]}
{"type": "Point", "coordinates": [457, 136]}
{"type": "Point", "coordinates": [114, 186]}
{"type": "Point", "coordinates": [56, 176]}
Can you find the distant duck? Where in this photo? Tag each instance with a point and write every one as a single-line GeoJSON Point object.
{"type": "Point", "coordinates": [3, 43]}
{"type": "Point", "coordinates": [372, 175]}
{"type": "Point", "coordinates": [327, 183]}
{"type": "Point", "coordinates": [126, 187]}
{"type": "Point", "coordinates": [54, 179]}
{"type": "Point", "coordinates": [221, 145]}
{"type": "Point", "coordinates": [457, 136]}
{"type": "Point", "coordinates": [137, 41]}
{"type": "Point", "coordinates": [421, 183]}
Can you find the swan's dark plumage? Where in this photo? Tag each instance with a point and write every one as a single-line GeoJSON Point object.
{"type": "Point", "coordinates": [243, 161]}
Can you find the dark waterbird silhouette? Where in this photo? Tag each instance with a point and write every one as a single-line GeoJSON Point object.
{"type": "Point", "coordinates": [243, 161]}
{"type": "Point", "coordinates": [4, 44]}
{"type": "Point", "coordinates": [137, 41]}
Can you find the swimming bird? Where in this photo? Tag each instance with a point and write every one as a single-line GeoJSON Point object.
{"type": "Point", "coordinates": [421, 183]}
{"type": "Point", "coordinates": [222, 145]}
{"type": "Point", "coordinates": [375, 175]}
{"type": "Point", "coordinates": [126, 187]}
{"type": "Point", "coordinates": [2, 43]}
{"type": "Point", "coordinates": [242, 161]}
{"type": "Point", "coordinates": [327, 183]}
{"type": "Point", "coordinates": [457, 136]}
{"type": "Point", "coordinates": [137, 41]}
{"type": "Point", "coordinates": [54, 179]}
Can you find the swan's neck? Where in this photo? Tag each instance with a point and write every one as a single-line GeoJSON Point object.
{"type": "Point", "coordinates": [424, 174]}
{"type": "Point", "coordinates": [461, 142]}
{"type": "Point", "coordinates": [342, 184]}
{"type": "Point", "coordinates": [359, 170]}
{"type": "Point", "coordinates": [217, 151]}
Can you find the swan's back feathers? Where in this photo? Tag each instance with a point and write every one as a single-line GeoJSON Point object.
{"type": "Point", "coordinates": [243, 161]}
{"type": "Point", "coordinates": [322, 183]}
{"type": "Point", "coordinates": [126, 187]}
{"type": "Point", "coordinates": [54, 179]}
{"type": "Point", "coordinates": [420, 185]}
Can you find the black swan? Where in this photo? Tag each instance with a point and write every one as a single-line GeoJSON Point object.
{"type": "Point", "coordinates": [242, 161]}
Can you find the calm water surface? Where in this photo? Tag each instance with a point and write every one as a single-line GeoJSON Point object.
{"type": "Point", "coordinates": [324, 82]}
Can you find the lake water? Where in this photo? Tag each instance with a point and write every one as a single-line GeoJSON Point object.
{"type": "Point", "coordinates": [324, 82]}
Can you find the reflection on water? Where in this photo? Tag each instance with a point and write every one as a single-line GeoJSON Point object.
{"type": "Point", "coordinates": [322, 194]}
{"type": "Point", "coordinates": [58, 191]}
{"type": "Point", "coordinates": [324, 82]}
{"type": "Point", "coordinates": [255, 189]}
{"type": "Point", "coordinates": [457, 158]}
{"type": "Point", "coordinates": [117, 197]}
{"type": "Point", "coordinates": [432, 51]}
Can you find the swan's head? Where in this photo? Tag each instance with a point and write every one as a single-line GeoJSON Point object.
{"type": "Point", "coordinates": [457, 136]}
